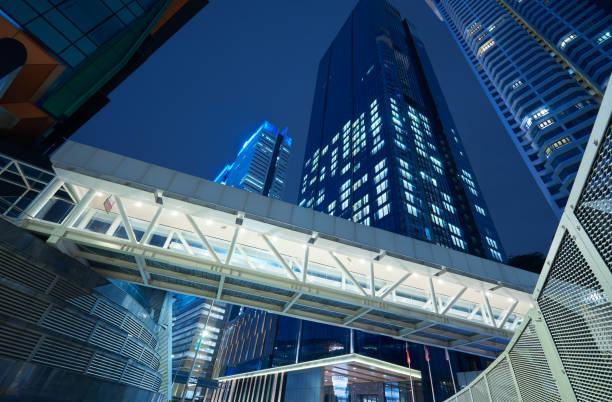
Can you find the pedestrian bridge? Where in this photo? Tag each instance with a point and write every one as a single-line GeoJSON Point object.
{"type": "Point", "coordinates": [137, 222]}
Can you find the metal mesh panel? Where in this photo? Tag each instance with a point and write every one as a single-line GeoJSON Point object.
{"type": "Point", "coordinates": [501, 384]}
{"type": "Point", "coordinates": [531, 369]}
{"type": "Point", "coordinates": [479, 391]}
{"type": "Point", "coordinates": [595, 207]}
{"type": "Point", "coordinates": [464, 397]}
{"type": "Point", "coordinates": [578, 314]}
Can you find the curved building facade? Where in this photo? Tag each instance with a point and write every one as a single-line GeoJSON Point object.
{"type": "Point", "coordinates": [547, 107]}
{"type": "Point", "coordinates": [64, 327]}
{"type": "Point", "coordinates": [580, 30]}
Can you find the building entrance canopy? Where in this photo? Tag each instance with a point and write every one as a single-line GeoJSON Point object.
{"type": "Point", "coordinates": [134, 221]}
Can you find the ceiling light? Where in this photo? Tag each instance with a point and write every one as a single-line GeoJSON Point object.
{"type": "Point", "coordinates": [441, 281]}
{"type": "Point", "coordinates": [99, 194]}
{"type": "Point", "coordinates": [138, 204]}
{"type": "Point", "coordinates": [510, 299]}
{"type": "Point", "coordinates": [209, 222]}
{"type": "Point", "coordinates": [361, 261]}
{"type": "Point", "coordinates": [389, 268]}
{"type": "Point", "coordinates": [273, 238]}
{"type": "Point", "coordinates": [488, 294]}
{"type": "Point", "coordinates": [174, 213]}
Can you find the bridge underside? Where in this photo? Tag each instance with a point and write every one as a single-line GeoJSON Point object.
{"type": "Point", "coordinates": [176, 232]}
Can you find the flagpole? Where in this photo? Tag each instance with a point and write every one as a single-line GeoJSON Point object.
{"type": "Point", "coordinates": [433, 394]}
{"type": "Point", "coordinates": [451, 369]}
{"type": "Point", "coordinates": [410, 369]}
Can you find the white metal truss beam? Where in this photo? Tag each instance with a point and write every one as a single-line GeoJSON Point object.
{"type": "Point", "coordinates": [347, 273]}
{"type": "Point", "coordinates": [453, 300]}
{"type": "Point", "coordinates": [203, 239]}
{"type": "Point", "coordinates": [279, 257]}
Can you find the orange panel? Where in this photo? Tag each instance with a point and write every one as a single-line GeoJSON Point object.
{"type": "Point", "coordinates": [172, 9]}
{"type": "Point", "coordinates": [27, 82]}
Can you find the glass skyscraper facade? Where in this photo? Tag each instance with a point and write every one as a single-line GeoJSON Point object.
{"type": "Point", "coordinates": [543, 65]}
{"type": "Point", "coordinates": [196, 331]}
{"type": "Point", "coordinates": [382, 148]}
{"type": "Point", "coordinates": [261, 164]}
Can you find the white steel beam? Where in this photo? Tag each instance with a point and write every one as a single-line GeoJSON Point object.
{"type": "Point", "coordinates": [372, 283]}
{"type": "Point", "coordinates": [362, 311]}
{"type": "Point", "coordinates": [507, 314]}
{"type": "Point", "coordinates": [416, 328]}
{"type": "Point", "coordinates": [114, 225]}
{"type": "Point", "coordinates": [184, 241]}
{"type": "Point", "coordinates": [453, 300]}
{"type": "Point", "coordinates": [291, 302]}
{"type": "Point", "coordinates": [434, 299]}
{"type": "Point", "coordinates": [305, 269]}
{"type": "Point", "coordinates": [203, 239]}
{"type": "Point", "coordinates": [246, 257]}
{"type": "Point", "coordinates": [279, 257]}
{"type": "Point", "coordinates": [346, 271]}
{"type": "Point", "coordinates": [141, 269]}
{"type": "Point", "coordinates": [43, 197]}
{"type": "Point", "coordinates": [232, 246]}
{"type": "Point", "coordinates": [220, 288]}
{"type": "Point", "coordinates": [152, 226]}
{"type": "Point", "coordinates": [126, 220]}
{"type": "Point", "coordinates": [385, 292]}
{"type": "Point", "coordinates": [79, 208]}
{"type": "Point", "coordinates": [489, 310]}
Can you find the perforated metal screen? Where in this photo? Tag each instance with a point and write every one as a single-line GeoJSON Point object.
{"type": "Point", "coordinates": [578, 314]}
{"type": "Point", "coordinates": [535, 381]}
{"type": "Point", "coordinates": [563, 349]}
{"type": "Point", "coordinates": [595, 208]}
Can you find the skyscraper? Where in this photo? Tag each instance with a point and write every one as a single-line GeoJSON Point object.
{"type": "Point", "coordinates": [78, 52]}
{"type": "Point", "coordinates": [196, 331]}
{"type": "Point", "coordinates": [382, 148]}
{"type": "Point", "coordinates": [261, 164]}
{"type": "Point", "coordinates": [544, 66]}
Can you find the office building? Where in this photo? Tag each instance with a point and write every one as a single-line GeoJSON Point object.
{"type": "Point", "coordinates": [196, 330]}
{"type": "Point", "coordinates": [382, 148]}
{"type": "Point", "coordinates": [544, 66]}
{"type": "Point", "coordinates": [261, 164]}
{"type": "Point", "coordinates": [68, 333]}
{"type": "Point", "coordinates": [77, 53]}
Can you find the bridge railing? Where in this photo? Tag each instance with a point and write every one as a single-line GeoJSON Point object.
{"type": "Point", "coordinates": [563, 348]}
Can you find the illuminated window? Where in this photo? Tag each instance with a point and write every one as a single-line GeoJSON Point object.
{"type": "Point", "coordinates": [455, 229]}
{"type": "Point", "coordinates": [331, 206]}
{"type": "Point", "coordinates": [412, 210]}
{"type": "Point", "coordinates": [496, 254]}
{"type": "Point", "coordinates": [382, 199]}
{"type": "Point", "coordinates": [458, 242]}
{"type": "Point", "coordinates": [560, 143]}
{"type": "Point", "coordinates": [473, 27]}
{"type": "Point", "coordinates": [517, 84]}
{"type": "Point", "coordinates": [384, 211]}
{"type": "Point", "coordinates": [546, 123]}
{"type": "Point", "coordinates": [567, 40]}
{"type": "Point", "coordinates": [603, 37]}
{"type": "Point", "coordinates": [491, 242]}
{"type": "Point", "coordinates": [380, 165]}
{"type": "Point", "coordinates": [485, 46]}
{"type": "Point", "coordinates": [437, 220]}
{"type": "Point", "coordinates": [480, 210]}
{"type": "Point", "coordinates": [382, 186]}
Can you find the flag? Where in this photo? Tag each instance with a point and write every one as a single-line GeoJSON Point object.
{"type": "Point", "coordinates": [426, 353]}
{"type": "Point", "coordinates": [407, 355]}
{"type": "Point", "coordinates": [108, 205]}
{"type": "Point", "coordinates": [446, 356]}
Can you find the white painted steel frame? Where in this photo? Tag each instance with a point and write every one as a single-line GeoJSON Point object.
{"type": "Point", "coordinates": [569, 226]}
{"type": "Point", "coordinates": [364, 298]}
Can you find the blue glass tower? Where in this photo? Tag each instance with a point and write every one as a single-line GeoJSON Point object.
{"type": "Point", "coordinates": [543, 66]}
{"type": "Point", "coordinates": [261, 164]}
{"type": "Point", "coordinates": [382, 148]}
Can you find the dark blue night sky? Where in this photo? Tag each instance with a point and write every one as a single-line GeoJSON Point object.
{"type": "Point", "coordinates": [238, 62]}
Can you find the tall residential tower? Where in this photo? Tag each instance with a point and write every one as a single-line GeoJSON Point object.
{"type": "Point", "coordinates": [382, 147]}
{"type": "Point", "coordinates": [544, 66]}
